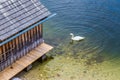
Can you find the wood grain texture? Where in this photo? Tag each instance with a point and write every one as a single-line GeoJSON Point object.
{"type": "Point", "coordinates": [16, 15]}
{"type": "Point", "coordinates": [23, 62]}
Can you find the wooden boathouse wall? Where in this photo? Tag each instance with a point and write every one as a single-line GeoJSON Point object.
{"type": "Point", "coordinates": [21, 35]}
{"type": "Point", "coordinates": [20, 46]}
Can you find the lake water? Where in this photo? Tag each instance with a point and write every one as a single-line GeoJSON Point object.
{"type": "Point", "coordinates": [96, 20]}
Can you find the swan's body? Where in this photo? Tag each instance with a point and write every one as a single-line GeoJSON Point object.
{"type": "Point", "coordinates": [76, 38]}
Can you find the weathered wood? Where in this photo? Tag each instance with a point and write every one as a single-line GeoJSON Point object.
{"type": "Point", "coordinates": [0, 49]}
{"type": "Point", "coordinates": [20, 46]}
{"type": "Point", "coordinates": [21, 15]}
{"type": "Point", "coordinates": [25, 61]}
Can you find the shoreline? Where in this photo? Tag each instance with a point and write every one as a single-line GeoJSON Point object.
{"type": "Point", "coordinates": [62, 68]}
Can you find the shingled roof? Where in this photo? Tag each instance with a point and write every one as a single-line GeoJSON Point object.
{"type": "Point", "coordinates": [16, 15]}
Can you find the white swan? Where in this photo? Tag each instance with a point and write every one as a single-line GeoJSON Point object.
{"type": "Point", "coordinates": [76, 38]}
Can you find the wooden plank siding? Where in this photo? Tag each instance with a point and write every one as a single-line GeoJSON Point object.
{"type": "Point", "coordinates": [20, 46]}
{"type": "Point", "coordinates": [25, 61]}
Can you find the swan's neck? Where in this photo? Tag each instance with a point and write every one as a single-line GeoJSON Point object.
{"type": "Point", "coordinates": [72, 36]}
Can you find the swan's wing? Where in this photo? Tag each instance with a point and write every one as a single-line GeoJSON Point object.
{"type": "Point", "coordinates": [78, 38]}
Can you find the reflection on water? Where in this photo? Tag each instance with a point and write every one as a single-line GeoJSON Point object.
{"type": "Point", "coordinates": [98, 21]}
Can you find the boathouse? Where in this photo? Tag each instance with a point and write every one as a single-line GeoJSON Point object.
{"type": "Point", "coordinates": [21, 35]}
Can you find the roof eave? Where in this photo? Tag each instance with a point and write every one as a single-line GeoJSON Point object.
{"type": "Point", "coordinates": [29, 28]}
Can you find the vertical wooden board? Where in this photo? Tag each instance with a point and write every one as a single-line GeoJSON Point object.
{"type": "Point", "coordinates": [25, 37]}
{"type": "Point", "coordinates": [13, 50]}
{"type": "Point", "coordinates": [22, 36]}
{"type": "Point", "coordinates": [0, 49]}
{"type": "Point", "coordinates": [20, 45]}
{"type": "Point", "coordinates": [31, 33]}
{"type": "Point", "coordinates": [1, 57]}
{"type": "Point", "coordinates": [10, 52]}
{"type": "Point", "coordinates": [17, 47]}
{"type": "Point", "coordinates": [41, 30]}
{"type": "Point", "coordinates": [36, 32]}
{"type": "Point", "coordinates": [4, 50]}
{"type": "Point", "coordinates": [29, 40]}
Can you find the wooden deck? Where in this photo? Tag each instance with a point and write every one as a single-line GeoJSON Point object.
{"type": "Point", "coordinates": [22, 63]}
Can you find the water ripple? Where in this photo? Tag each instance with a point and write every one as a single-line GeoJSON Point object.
{"type": "Point", "coordinates": [97, 20]}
